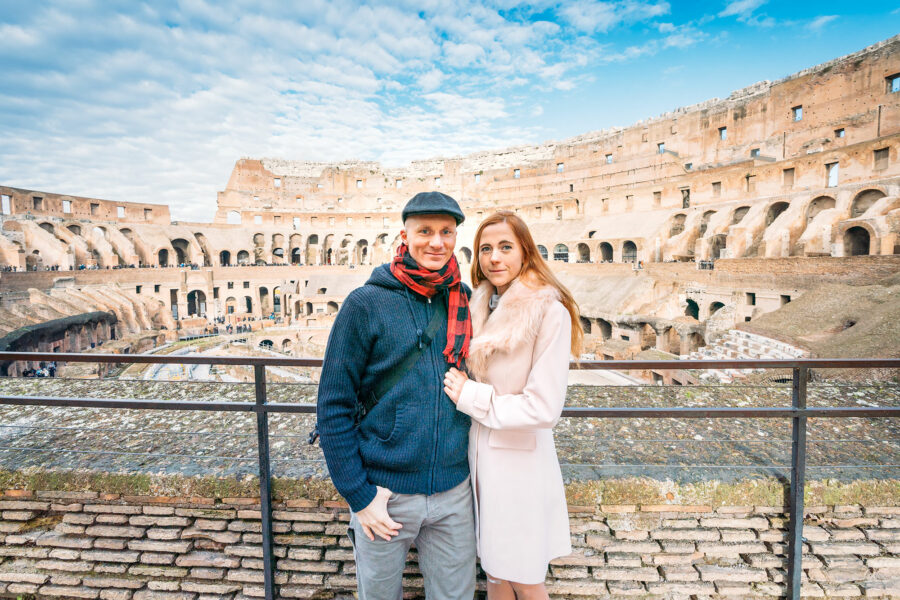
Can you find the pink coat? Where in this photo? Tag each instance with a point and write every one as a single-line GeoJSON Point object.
{"type": "Point", "coordinates": [520, 358]}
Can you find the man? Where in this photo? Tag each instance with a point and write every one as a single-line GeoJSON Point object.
{"type": "Point", "coordinates": [403, 466]}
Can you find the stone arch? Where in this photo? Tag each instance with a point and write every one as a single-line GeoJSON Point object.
{"type": "Point", "coordinates": [233, 217]}
{"type": "Point", "coordinates": [278, 248]}
{"type": "Point", "coordinates": [230, 305]}
{"type": "Point", "coordinates": [864, 200]}
{"type": "Point", "coordinates": [857, 242]}
{"type": "Point", "coordinates": [286, 346]}
{"type": "Point", "coordinates": [265, 305]}
{"type": "Point", "coordinates": [163, 257]}
{"type": "Point", "coordinates": [328, 254]}
{"type": "Point", "coordinates": [605, 329]}
{"type": "Point", "coordinates": [695, 342]}
{"type": "Point", "coordinates": [692, 309]}
{"type": "Point", "coordinates": [584, 253]}
{"type": "Point", "coordinates": [196, 303]}
{"type": "Point", "coordinates": [362, 252]}
{"type": "Point", "coordinates": [605, 250]}
{"type": "Point", "coordinates": [677, 224]}
{"type": "Point", "coordinates": [561, 253]}
{"type": "Point", "coordinates": [648, 336]}
{"type": "Point", "coordinates": [818, 205]}
{"type": "Point", "coordinates": [717, 246]}
{"type": "Point", "coordinates": [225, 258]}
{"type": "Point", "coordinates": [259, 249]}
{"type": "Point", "coordinates": [739, 213]}
{"type": "Point", "coordinates": [715, 307]}
{"type": "Point", "coordinates": [76, 229]}
{"type": "Point", "coordinates": [629, 251]}
{"type": "Point", "coordinates": [266, 344]}
{"type": "Point", "coordinates": [276, 300]}
{"type": "Point", "coordinates": [204, 248]}
{"type": "Point", "coordinates": [48, 227]}
{"type": "Point", "coordinates": [182, 251]}
{"type": "Point", "coordinates": [585, 325]}
{"type": "Point", "coordinates": [704, 221]}
{"type": "Point", "coordinates": [312, 249]}
{"type": "Point", "coordinates": [309, 308]}
{"type": "Point", "coordinates": [774, 211]}
{"type": "Point", "coordinates": [33, 261]}
{"type": "Point", "coordinates": [542, 250]}
{"type": "Point", "coordinates": [248, 304]}
{"type": "Point", "coordinates": [243, 257]}
{"type": "Point", "coordinates": [296, 256]}
{"type": "Point", "coordinates": [331, 308]}
{"type": "Point", "coordinates": [295, 243]}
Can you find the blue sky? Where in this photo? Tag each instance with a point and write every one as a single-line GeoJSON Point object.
{"type": "Point", "coordinates": [154, 102]}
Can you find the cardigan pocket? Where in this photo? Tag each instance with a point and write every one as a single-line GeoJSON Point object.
{"type": "Point", "coordinates": [512, 440]}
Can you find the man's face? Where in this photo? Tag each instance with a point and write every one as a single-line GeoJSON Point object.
{"type": "Point", "coordinates": [431, 239]}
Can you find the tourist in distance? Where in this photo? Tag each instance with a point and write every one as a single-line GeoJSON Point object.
{"type": "Point", "coordinates": [396, 447]}
{"type": "Point", "coordinates": [526, 325]}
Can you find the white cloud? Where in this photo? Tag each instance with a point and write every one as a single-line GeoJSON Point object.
{"type": "Point", "coordinates": [819, 22]}
{"type": "Point", "coordinates": [741, 8]}
{"type": "Point", "coordinates": [591, 17]}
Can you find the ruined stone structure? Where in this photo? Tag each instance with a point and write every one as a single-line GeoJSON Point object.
{"type": "Point", "coordinates": [802, 169]}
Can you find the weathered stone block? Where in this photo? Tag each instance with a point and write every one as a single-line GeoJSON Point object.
{"type": "Point", "coordinates": [700, 535]}
{"type": "Point", "coordinates": [681, 589]}
{"type": "Point", "coordinates": [208, 559]}
{"type": "Point", "coordinates": [715, 550]}
{"type": "Point", "coordinates": [115, 594]}
{"type": "Point", "coordinates": [725, 523]}
{"type": "Point", "coordinates": [734, 574]}
{"type": "Point", "coordinates": [16, 577]}
{"type": "Point", "coordinates": [110, 543]}
{"type": "Point", "coordinates": [617, 574]}
{"type": "Point", "coordinates": [114, 531]}
{"type": "Point", "coordinates": [308, 566]}
{"type": "Point", "coordinates": [159, 521]}
{"type": "Point", "coordinates": [72, 566]}
{"type": "Point", "coordinates": [836, 548]}
{"type": "Point", "coordinates": [155, 595]}
{"type": "Point", "coordinates": [66, 591]}
{"type": "Point", "coordinates": [680, 573]}
{"type": "Point", "coordinates": [24, 505]}
{"type": "Point", "coordinates": [157, 571]}
{"type": "Point", "coordinates": [113, 582]}
{"type": "Point", "coordinates": [157, 558]}
{"type": "Point", "coordinates": [64, 541]}
{"type": "Point", "coordinates": [220, 537]}
{"type": "Point", "coordinates": [207, 573]}
{"type": "Point", "coordinates": [178, 547]}
{"type": "Point", "coordinates": [116, 509]}
{"type": "Point", "coordinates": [107, 519]}
{"type": "Point", "coordinates": [210, 588]}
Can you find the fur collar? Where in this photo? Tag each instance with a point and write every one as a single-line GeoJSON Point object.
{"type": "Point", "coordinates": [514, 322]}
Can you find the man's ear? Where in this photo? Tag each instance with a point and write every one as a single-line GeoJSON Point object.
{"type": "Point", "coordinates": [403, 236]}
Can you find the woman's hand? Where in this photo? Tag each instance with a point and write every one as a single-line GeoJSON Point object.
{"type": "Point", "coordinates": [454, 379]}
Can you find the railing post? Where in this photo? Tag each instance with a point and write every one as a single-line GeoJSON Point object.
{"type": "Point", "coordinates": [798, 482]}
{"type": "Point", "coordinates": [265, 480]}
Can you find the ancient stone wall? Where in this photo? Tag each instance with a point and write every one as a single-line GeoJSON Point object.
{"type": "Point", "coordinates": [116, 547]}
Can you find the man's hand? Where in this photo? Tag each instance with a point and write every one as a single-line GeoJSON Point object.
{"type": "Point", "coordinates": [375, 518]}
{"type": "Point", "coordinates": [454, 380]}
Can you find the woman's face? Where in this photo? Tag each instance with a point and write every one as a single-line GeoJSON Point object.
{"type": "Point", "coordinates": [500, 255]}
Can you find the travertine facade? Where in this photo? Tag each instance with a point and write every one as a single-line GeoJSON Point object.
{"type": "Point", "coordinates": [807, 166]}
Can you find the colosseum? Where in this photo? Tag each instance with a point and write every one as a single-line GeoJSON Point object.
{"type": "Point", "coordinates": [675, 233]}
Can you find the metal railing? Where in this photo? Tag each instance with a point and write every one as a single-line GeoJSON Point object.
{"type": "Point", "coordinates": [798, 412]}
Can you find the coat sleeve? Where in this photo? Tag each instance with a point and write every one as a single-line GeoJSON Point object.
{"type": "Point", "coordinates": [541, 401]}
{"type": "Point", "coordinates": [346, 356]}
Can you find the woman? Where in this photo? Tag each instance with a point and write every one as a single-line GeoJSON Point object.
{"type": "Point", "coordinates": [525, 327]}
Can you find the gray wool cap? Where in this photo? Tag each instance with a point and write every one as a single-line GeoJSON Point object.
{"type": "Point", "coordinates": [433, 203]}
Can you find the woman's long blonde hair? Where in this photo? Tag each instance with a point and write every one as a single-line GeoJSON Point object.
{"type": "Point", "coordinates": [534, 269]}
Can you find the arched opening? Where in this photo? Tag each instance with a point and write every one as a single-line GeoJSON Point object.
{"type": "Point", "coordinates": [584, 253]}
{"type": "Point", "coordinates": [715, 307]}
{"type": "Point", "coordinates": [345, 249]}
{"type": "Point", "coordinates": [276, 300]}
{"type": "Point", "coordinates": [243, 257]}
{"type": "Point", "coordinates": [739, 214]}
{"type": "Point", "coordinates": [856, 242]}
{"type": "Point", "coordinates": [233, 217]}
{"type": "Point", "coordinates": [312, 243]}
{"type": "Point", "coordinates": [561, 253]}
{"type": "Point", "coordinates": [248, 304]}
{"type": "Point", "coordinates": [196, 303]}
{"type": "Point", "coordinates": [818, 205]}
{"type": "Point", "coordinates": [163, 257]}
{"type": "Point", "coordinates": [362, 252]}
{"type": "Point", "coordinates": [327, 250]}
{"type": "Point", "coordinates": [332, 308]}
{"type": "Point", "coordinates": [259, 249]}
{"type": "Point", "coordinates": [278, 253]}
{"type": "Point", "coordinates": [543, 251]}
{"type": "Point", "coordinates": [296, 255]}
{"type": "Point", "coordinates": [695, 342]}
{"type": "Point", "coordinates": [309, 308]}
{"type": "Point", "coordinates": [230, 304]}
{"type": "Point", "coordinates": [204, 248]}
{"type": "Point", "coordinates": [286, 346]}
{"type": "Point", "coordinates": [264, 304]}
{"type": "Point", "coordinates": [48, 227]}
{"type": "Point", "coordinates": [606, 252]}
{"type": "Point", "coordinates": [704, 221]}
{"type": "Point", "coordinates": [648, 337]}
{"type": "Point", "coordinates": [74, 229]}
{"type": "Point", "coordinates": [605, 328]}
{"type": "Point", "coordinates": [629, 252]}
{"type": "Point", "coordinates": [585, 325]}
{"type": "Point", "coordinates": [677, 224]}
{"type": "Point", "coordinates": [864, 201]}
{"type": "Point", "coordinates": [775, 211]}
{"type": "Point", "coordinates": [266, 344]}
{"type": "Point", "coordinates": [33, 261]}
{"type": "Point", "coordinates": [225, 258]}
{"type": "Point", "coordinates": [466, 254]}
{"type": "Point", "coordinates": [182, 251]}
{"type": "Point", "coordinates": [717, 246]}
{"type": "Point", "coordinates": [692, 310]}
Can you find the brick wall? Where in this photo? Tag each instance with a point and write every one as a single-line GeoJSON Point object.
{"type": "Point", "coordinates": [90, 545]}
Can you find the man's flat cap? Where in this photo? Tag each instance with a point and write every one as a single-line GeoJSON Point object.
{"type": "Point", "coordinates": [433, 203]}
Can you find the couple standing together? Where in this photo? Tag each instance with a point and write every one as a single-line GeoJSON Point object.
{"type": "Point", "coordinates": [422, 453]}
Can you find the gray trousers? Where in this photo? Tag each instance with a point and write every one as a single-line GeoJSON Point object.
{"type": "Point", "coordinates": [443, 528]}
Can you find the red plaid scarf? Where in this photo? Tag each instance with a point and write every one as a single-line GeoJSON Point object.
{"type": "Point", "coordinates": [428, 283]}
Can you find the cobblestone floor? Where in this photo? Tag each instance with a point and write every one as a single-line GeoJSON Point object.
{"type": "Point", "coordinates": [195, 443]}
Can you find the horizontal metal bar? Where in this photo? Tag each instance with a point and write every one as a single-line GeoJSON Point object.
{"type": "Point", "coordinates": [813, 363]}
{"type": "Point", "coordinates": [579, 411]}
